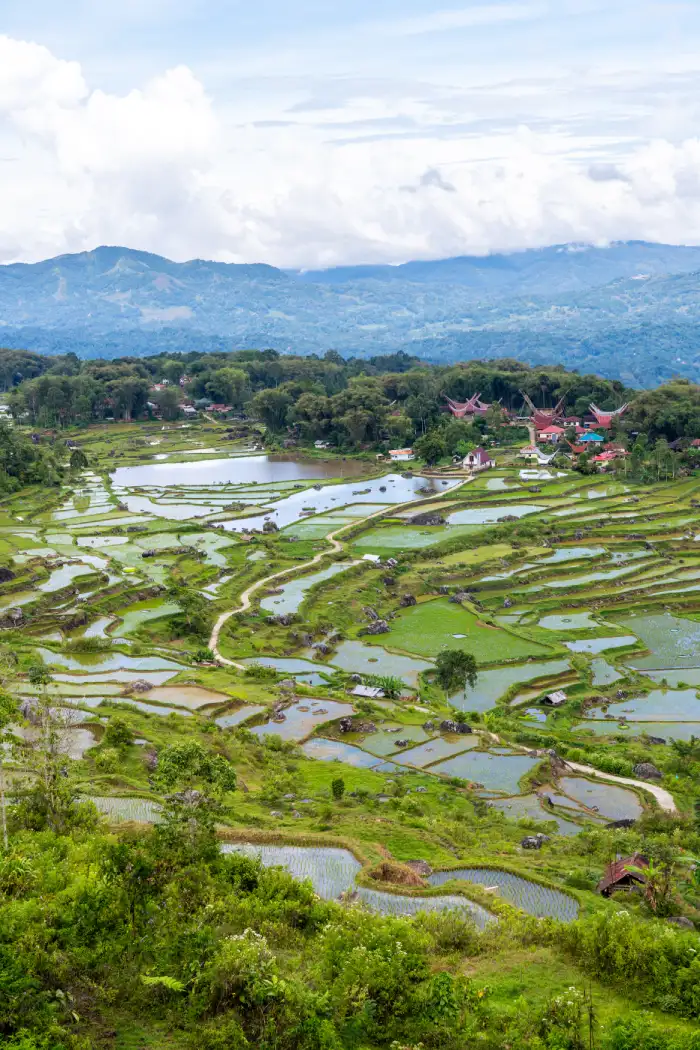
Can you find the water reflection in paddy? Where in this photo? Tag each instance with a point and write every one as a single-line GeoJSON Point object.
{"type": "Point", "coordinates": [302, 717]}
{"type": "Point", "coordinates": [238, 471]}
{"type": "Point", "coordinates": [599, 645]}
{"type": "Point", "coordinates": [333, 872]}
{"type": "Point", "coordinates": [234, 718]}
{"type": "Point", "coordinates": [293, 593]}
{"type": "Point", "coordinates": [568, 622]}
{"type": "Point", "coordinates": [493, 683]}
{"type": "Point", "coordinates": [615, 802]}
{"type": "Point", "coordinates": [437, 749]}
{"type": "Point", "coordinates": [673, 641]}
{"type": "Point", "coordinates": [366, 659]}
{"type": "Point", "coordinates": [662, 730]}
{"type": "Point", "coordinates": [490, 515]}
{"type": "Point", "coordinates": [530, 897]}
{"type": "Point", "coordinates": [496, 772]}
{"type": "Point", "coordinates": [603, 672]}
{"type": "Point", "coordinates": [340, 751]}
{"type": "Point", "coordinates": [673, 705]}
{"type": "Point", "coordinates": [528, 806]}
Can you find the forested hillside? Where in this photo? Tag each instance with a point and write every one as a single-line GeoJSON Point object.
{"type": "Point", "coordinates": [629, 311]}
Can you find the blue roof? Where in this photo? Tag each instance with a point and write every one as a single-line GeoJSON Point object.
{"type": "Point", "coordinates": [591, 437]}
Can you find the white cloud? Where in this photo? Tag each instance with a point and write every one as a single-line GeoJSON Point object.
{"type": "Point", "coordinates": [165, 168]}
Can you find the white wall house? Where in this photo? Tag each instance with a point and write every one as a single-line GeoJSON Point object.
{"type": "Point", "coordinates": [401, 455]}
{"type": "Point", "coordinates": [478, 459]}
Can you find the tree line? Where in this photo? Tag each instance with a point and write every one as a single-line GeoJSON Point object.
{"type": "Point", "coordinates": [393, 399]}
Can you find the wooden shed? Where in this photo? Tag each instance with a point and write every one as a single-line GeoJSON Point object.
{"type": "Point", "coordinates": [619, 875]}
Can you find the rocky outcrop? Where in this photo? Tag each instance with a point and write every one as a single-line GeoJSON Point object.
{"type": "Point", "coordinates": [140, 686]}
{"type": "Point", "coordinates": [448, 726]}
{"type": "Point", "coordinates": [376, 627]}
{"type": "Point", "coordinates": [647, 771]}
{"type": "Point", "coordinates": [270, 526]}
{"type": "Point", "coordinates": [534, 841]}
{"type": "Point", "coordinates": [407, 600]}
{"type": "Point", "coordinates": [355, 725]}
{"type": "Point", "coordinates": [431, 518]}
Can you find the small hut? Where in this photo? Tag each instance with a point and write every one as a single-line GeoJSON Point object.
{"type": "Point", "coordinates": [620, 875]}
{"type": "Point", "coordinates": [555, 699]}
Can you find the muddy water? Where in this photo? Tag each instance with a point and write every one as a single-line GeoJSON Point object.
{"type": "Point", "coordinates": [241, 470]}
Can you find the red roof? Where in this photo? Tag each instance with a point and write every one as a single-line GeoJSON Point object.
{"type": "Point", "coordinates": [605, 457]}
{"type": "Point", "coordinates": [552, 430]}
{"type": "Point", "coordinates": [695, 443]}
{"type": "Point", "coordinates": [620, 869]}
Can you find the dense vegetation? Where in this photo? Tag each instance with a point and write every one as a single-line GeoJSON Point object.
{"type": "Point", "coordinates": [129, 756]}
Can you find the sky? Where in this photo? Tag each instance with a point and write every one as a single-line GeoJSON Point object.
{"type": "Point", "coordinates": [317, 133]}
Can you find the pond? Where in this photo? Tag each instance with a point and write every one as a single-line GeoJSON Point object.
{"type": "Point", "coordinates": [603, 672]}
{"type": "Point", "coordinates": [568, 621]}
{"type": "Point", "coordinates": [238, 471]}
{"type": "Point", "coordinates": [572, 554]}
{"type": "Point", "coordinates": [154, 677]}
{"type": "Point", "coordinates": [242, 714]}
{"type": "Point", "coordinates": [339, 751]}
{"type": "Point", "coordinates": [676, 679]}
{"type": "Point", "coordinates": [140, 613]}
{"type": "Point", "coordinates": [190, 696]}
{"type": "Point", "coordinates": [290, 665]}
{"type": "Point", "coordinates": [616, 803]}
{"type": "Point", "coordinates": [303, 717]}
{"type": "Point", "coordinates": [490, 515]}
{"type": "Point", "coordinates": [437, 749]}
{"type": "Point", "coordinates": [540, 901]}
{"type": "Point", "coordinates": [662, 730]}
{"type": "Point", "coordinates": [493, 683]}
{"type": "Point", "coordinates": [599, 645]}
{"type": "Point", "coordinates": [293, 593]}
{"type": "Point", "coordinates": [672, 640]}
{"type": "Point", "coordinates": [673, 705]}
{"type": "Point", "coordinates": [333, 872]}
{"type": "Point", "coordinates": [365, 659]}
{"type": "Point", "coordinates": [288, 511]}
{"type": "Point", "coordinates": [383, 742]}
{"type": "Point", "coordinates": [528, 806]}
{"type": "Point", "coordinates": [106, 662]}
{"type": "Point", "coordinates": [494, 772]}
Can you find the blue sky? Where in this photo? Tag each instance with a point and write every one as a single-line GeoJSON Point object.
{"type": "Point", "coordinates": [313, 133]}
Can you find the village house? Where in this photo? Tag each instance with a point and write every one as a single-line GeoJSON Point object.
{"type": "Point", "coordinates": [620, 875]}
{"type": "Point", "coordinates": [401, 455]}
{"type": "Point", "coordinates": [321, 444]}
{"type": "Point", "coordinates": [552, 435]}
{"type": "Point", "coordinates": [477, 460]}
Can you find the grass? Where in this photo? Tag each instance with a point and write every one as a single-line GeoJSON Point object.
{"type": "Point", "coordinates": [429, 627]}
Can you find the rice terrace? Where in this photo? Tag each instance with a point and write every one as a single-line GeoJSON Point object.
{"type": "Point", "coordinates": [452, 685]}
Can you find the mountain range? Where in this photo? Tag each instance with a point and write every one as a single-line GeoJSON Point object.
{"type": "Point", "coordinates": [629, 311]}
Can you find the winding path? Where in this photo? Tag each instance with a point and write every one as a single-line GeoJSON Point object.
{"type": "Point", "coordinates": [336, 546]}
{"type": "Point", "coordinates": [662, 796]}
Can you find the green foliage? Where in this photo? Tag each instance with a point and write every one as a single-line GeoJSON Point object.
{"type": "Point", "coordinates": [454, 669]}
{"type": "Point", "coordinates": [337, 788]}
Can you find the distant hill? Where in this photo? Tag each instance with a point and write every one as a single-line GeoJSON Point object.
{"type": "Point", "coordinates": [630, 311]}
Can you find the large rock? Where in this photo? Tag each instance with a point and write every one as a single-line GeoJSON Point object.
{"type": "Point", "coordinates": [448, 726]}
{"type": "Point", "coordinates": [682, 921]}
{"type": "Point", "coordinates": [534, 841]}
{"type": "Point", "coordinates": [626, 822]}
{"type": "Point", "coordinates": [427, 518]}
{"type": "Point", "coordinates": [377, 627]}
{"type": "Point", "coordinates": [647, 771]}
{"type": "Point", "coordinates": [407, 600]}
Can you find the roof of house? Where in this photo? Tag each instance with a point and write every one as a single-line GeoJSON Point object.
{"type": "Point", "coordinates": [590, 436]}
{"type": "Point", "coordinates": [369, 691]}
{"type": "Point", "coordinates": [620, 869]}
{"type": "Point", "coordinates": [556, 698]}
{"type": "Point", "coordinates": [605, 457]}
{"type": "Point", "coordinates": [400, 451]}
{"type": "Point", "coordinates": [695, 443]}
{"type": "Point", "coordinates": [552, 430]}
{"type": "Point", "coordinates": [479, 454]}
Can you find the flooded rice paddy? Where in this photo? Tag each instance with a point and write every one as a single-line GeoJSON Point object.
{"type": "Point", "coordinates": [332, 873]}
